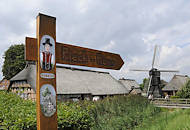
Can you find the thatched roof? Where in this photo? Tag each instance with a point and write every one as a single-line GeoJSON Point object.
{"type": "Point", "coordinates": [76, 81]}
{"type": "Point", "coordinates": [176, 83]}
{"type": "Point", "coordinates": [27, 74]}
{"type": "Point", "coordinates": [130, 85]}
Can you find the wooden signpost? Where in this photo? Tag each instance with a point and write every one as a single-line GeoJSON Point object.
{"type": "Point", "coordinates": [46, 52]}
{"type": "Point", "coordinates": [75, 55]}
{"type": "Point", "coordinates": [46, 65]}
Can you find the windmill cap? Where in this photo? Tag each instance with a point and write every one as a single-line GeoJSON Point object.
{"type": "Point", "coordinates": [47, 42]}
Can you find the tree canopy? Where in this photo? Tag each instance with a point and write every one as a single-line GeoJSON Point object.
{"type": "Point", "coordinates": [185, 91]}
{"type": "Point", "coordinates": [144, 84]}
{"type": "Point", "coordinates": [13, 61]}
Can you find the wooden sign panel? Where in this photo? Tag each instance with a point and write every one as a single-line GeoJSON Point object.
{"type": "Point", "coordinates": [46, 73]}
{"type": "Point", "coordinates": [74, 55]}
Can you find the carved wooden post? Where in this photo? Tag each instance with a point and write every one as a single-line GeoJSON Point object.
{"type": "Point", "coordinates": [46, 73]}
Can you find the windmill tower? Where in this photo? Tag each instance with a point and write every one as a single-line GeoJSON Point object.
{"type": "Point", "coordinates": [154, 85]}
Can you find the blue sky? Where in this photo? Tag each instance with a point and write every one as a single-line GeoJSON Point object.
{"type": "Point", "coordinates": [130, 28]}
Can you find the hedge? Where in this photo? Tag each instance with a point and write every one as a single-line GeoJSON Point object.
{"type": "Point", "coordinates": [16, 113]}
{"type": "Point", "coordinates": [120, 112]}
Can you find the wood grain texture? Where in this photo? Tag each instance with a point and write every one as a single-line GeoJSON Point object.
{"type": "Point", "coordinates": [75, 55]}
{"type": "Point", "coordinates": [46, 25]}
{"type": "Point", "coordinates": [31, 50]}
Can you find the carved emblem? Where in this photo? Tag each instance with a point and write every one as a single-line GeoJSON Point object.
{"type": "Point", "coordinates": [48, 100]}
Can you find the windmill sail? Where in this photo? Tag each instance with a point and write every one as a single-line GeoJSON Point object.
{"type": "Point", "coordinates": [149, 83]}
{"type": "Point", "coordinates": [138, 70]}
{"type": "Point", "coordinates": [154, 56]}
{"type": "Point", "coordinates": [154, 84]}
{"type": "Point", "coordinates": [177, 71]}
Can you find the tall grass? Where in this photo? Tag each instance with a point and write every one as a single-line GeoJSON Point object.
{"type": "Point", "coordinates": [168, 119]}
{"type": "Point", "coordinates": [122, 112]}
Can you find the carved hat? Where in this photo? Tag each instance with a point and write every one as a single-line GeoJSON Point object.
{"type": "Point", "coordinates": [47, 42]}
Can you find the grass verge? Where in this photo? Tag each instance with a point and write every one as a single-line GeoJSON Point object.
{"type": "Point", "coordinates": [168, 119]}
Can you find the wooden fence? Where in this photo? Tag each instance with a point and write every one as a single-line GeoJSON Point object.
{"type": "Point", "coordinates": [171, 103]}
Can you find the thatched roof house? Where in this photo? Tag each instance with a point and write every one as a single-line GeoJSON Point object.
{"type": "Point", "coordinates": [75, 83]}
{"type": "Point", "coordinates": [176, 83]}
{"type": "Point", "coordinates": [131, 85]}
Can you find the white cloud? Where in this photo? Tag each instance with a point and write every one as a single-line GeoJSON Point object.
{"type": "Point", "coordinates": [130, 28]}
{"type": "Point", "coordinates": [83, 5]}
{"type": "Point", "coordinates": [109, 46]}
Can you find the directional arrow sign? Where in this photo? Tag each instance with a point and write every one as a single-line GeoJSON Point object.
{"type": "Point", "coordinates": [75, 55]}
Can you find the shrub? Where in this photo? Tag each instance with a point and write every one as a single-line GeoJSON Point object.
{"type": "Point", "coordinates": [174, 97]}
{"type": "Point", "coordinates": [16, 113]}
{"type": "Point", "coordinates": [185, 91]}
{"type": "Point", "coordinates": [119, 112]}
{"type": "Point", "coordinates": [72, 115]}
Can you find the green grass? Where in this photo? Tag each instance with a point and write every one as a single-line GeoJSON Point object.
{"type": "Point", "coordinates": [168, 119]}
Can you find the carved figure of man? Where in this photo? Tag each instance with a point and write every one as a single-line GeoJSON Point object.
{"type": "Point", "coordinates": [46, 56]}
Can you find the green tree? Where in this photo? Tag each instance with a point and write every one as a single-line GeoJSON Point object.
{"type": "Point", "coordinates": [13, 61]}
{"type": "Point", "coordinates": [143, 85]}
{"type": "Point", "coordinates": [185, 91]}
